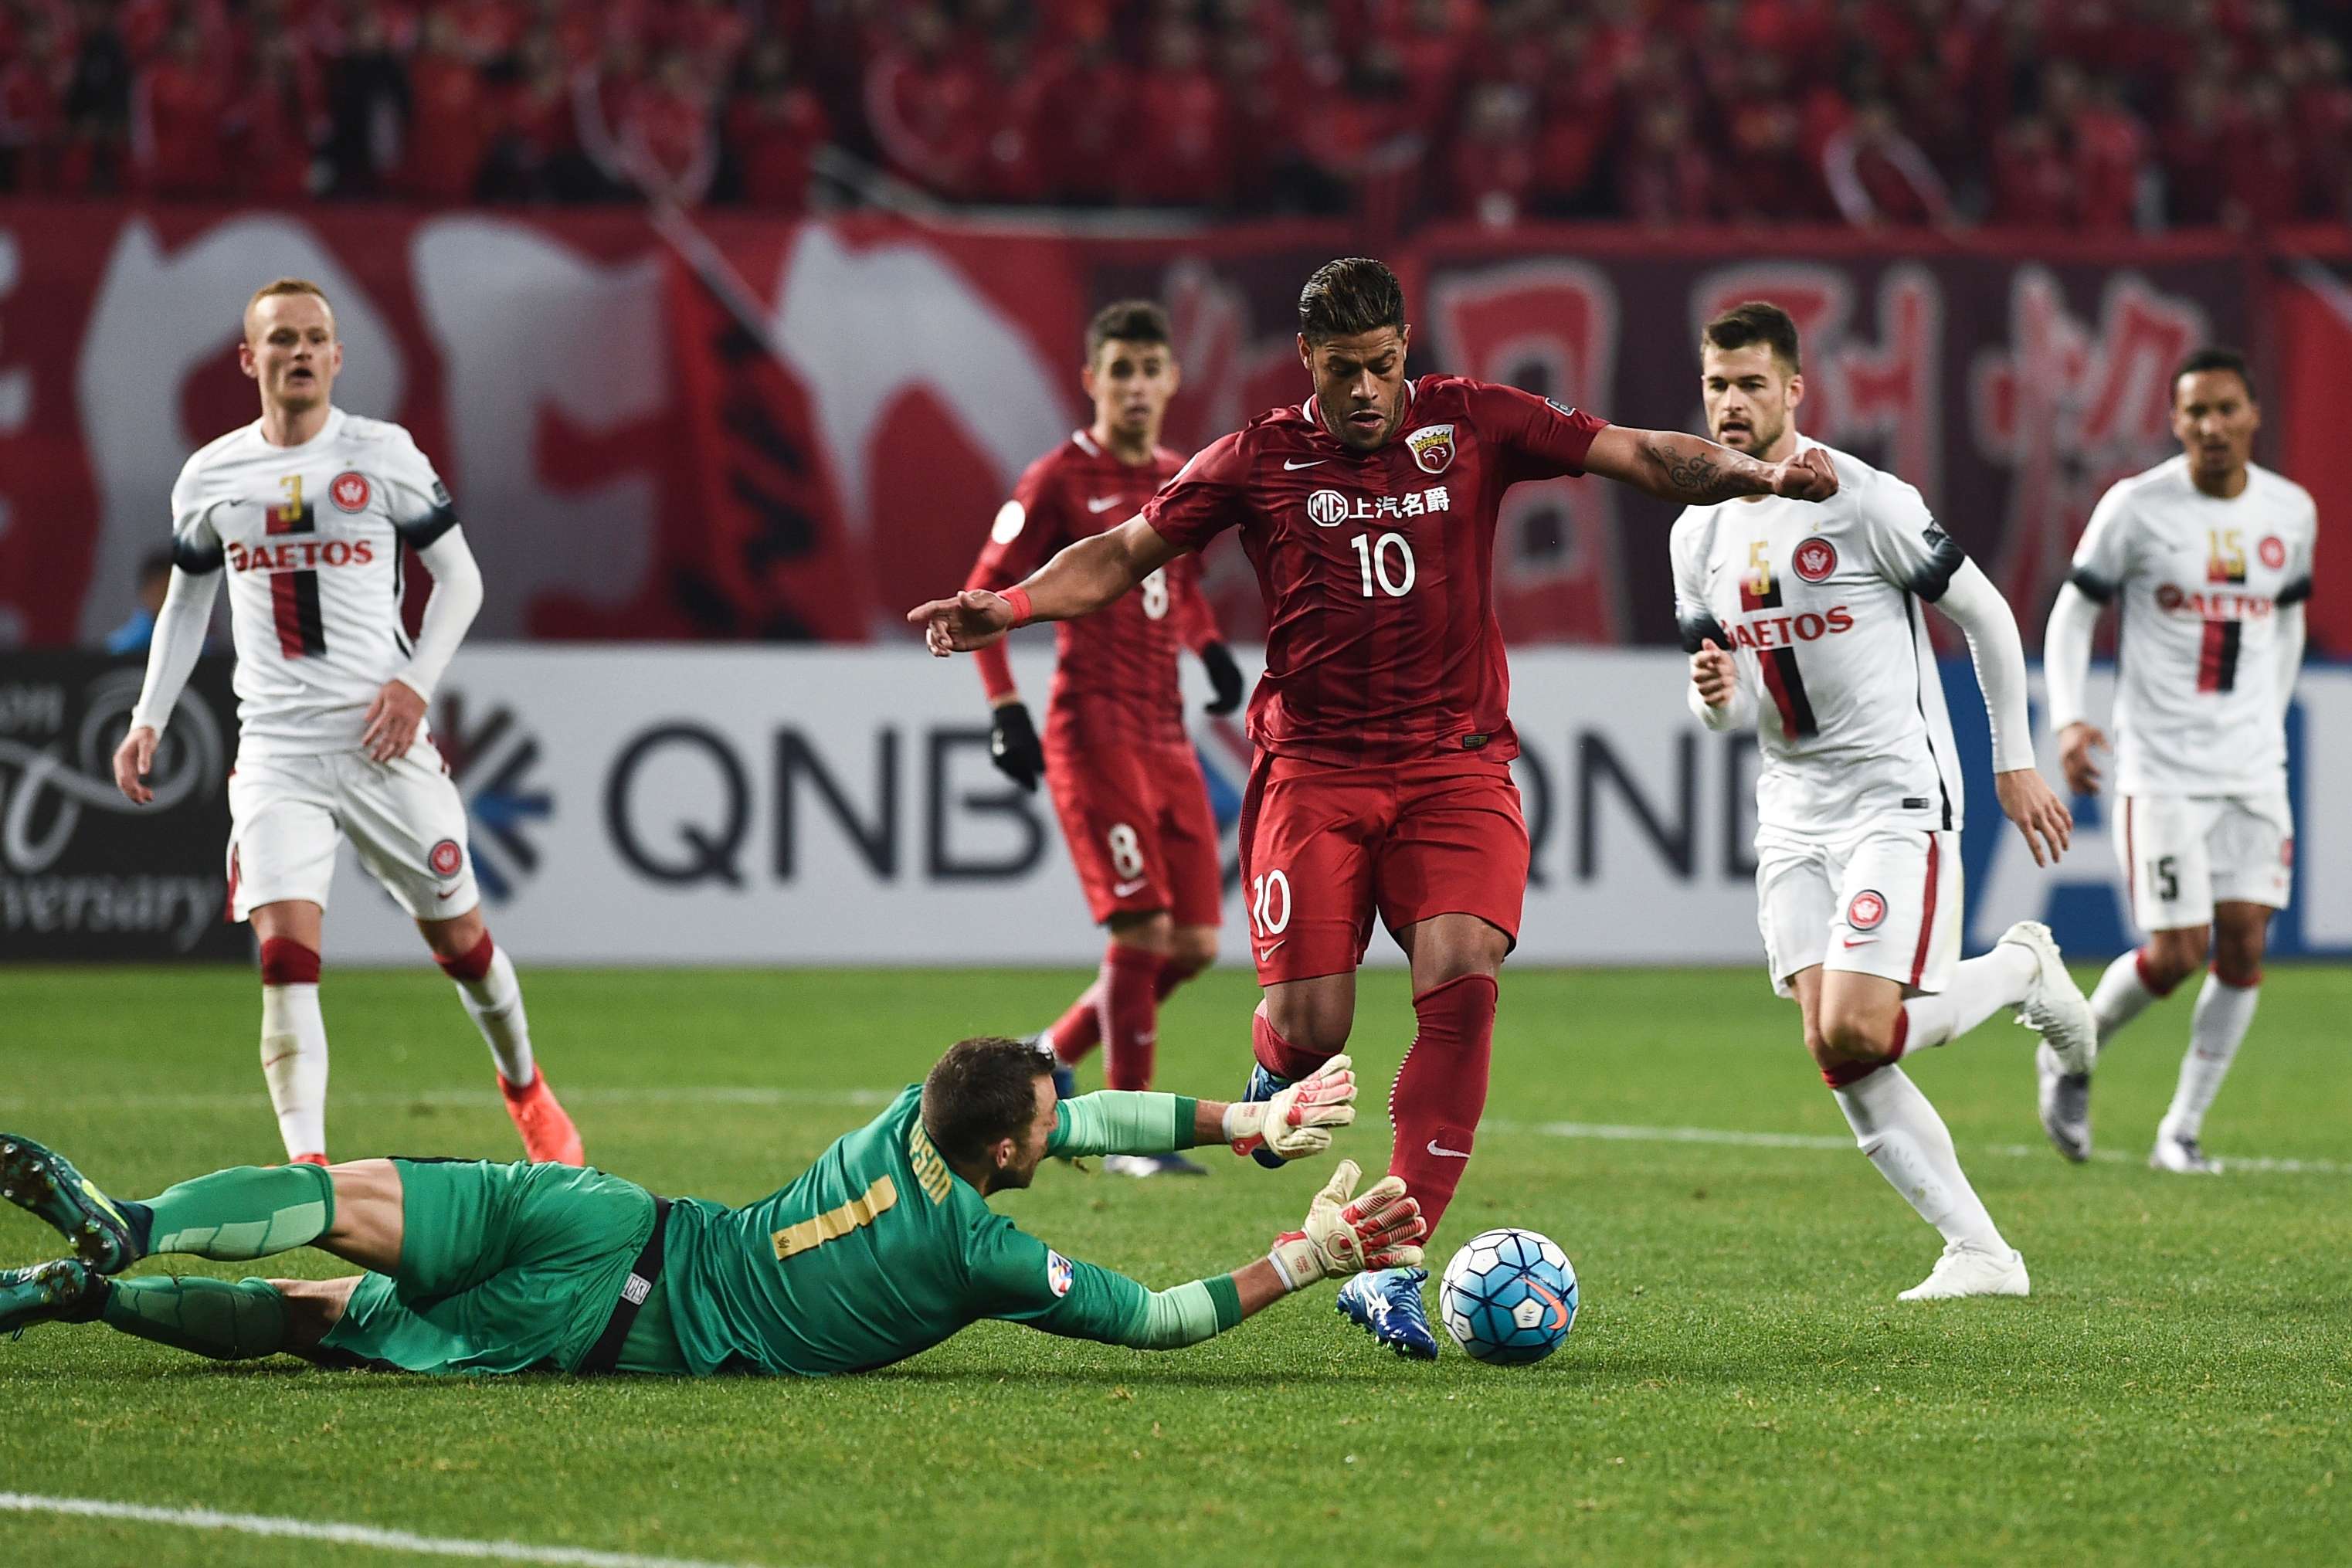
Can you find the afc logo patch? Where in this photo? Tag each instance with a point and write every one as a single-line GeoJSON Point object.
{"type": "Point", "coordinates": [349, 491]}
{"type": "Point", "coordinates": [1433, 448]}
{"type": "Point", "coordinates": [1867, 911]}
{"type": "Point", "coordinates": [1814, 559]}
{"type": "Point", "coordinates": [1058, 1272]}
{"type": "Point", "coordinates": [2274, 551]}
{"type": "Point", "coordinates": [445, 859]}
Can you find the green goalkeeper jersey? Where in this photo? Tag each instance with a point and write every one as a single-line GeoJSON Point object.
{"type": "Point", "coordinates": [880, 1252]}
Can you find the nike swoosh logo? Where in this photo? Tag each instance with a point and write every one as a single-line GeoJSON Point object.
{"type": "Point", "coordinates": [450, 894]}
{"type": "Point", "coordinates": [1287, 464]}
{"type": "Point", "coordinates": [1860, 940]}
{"type": "Point", "coordinates": [1102, 503]}
{"type": "Point", "coordinates": [1559, 1308]}
{"type": "Point", "coordinates": [1439, 1149]}
{"type": "Point", "coordinates": [1265, 953]}
{"type": "Point", "coordinates": [1123, 888]}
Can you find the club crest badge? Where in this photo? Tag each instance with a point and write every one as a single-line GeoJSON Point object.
{"type": "Point", "coordinates": [1433, 448]}
{"type": "Point", "coordinates": [349, 491]}
{"type": "Point", "coordinates": [1867, 911]}
{"type": "Point", "coordinates": [1814, 559]}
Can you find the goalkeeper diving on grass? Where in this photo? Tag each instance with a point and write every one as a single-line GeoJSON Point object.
{"type": "Point", "coordinates": [882, 1249]}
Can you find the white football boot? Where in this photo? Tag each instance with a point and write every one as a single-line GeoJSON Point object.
{"type": "Point", "coordinates": [2065, 1102]}
{"type": "Point", "coordinates": [1965, 1270]}
{"type": "Point", "coordinates": [2180, 1155]}
{"type": "Point", "coordinates": [2054, 1006]}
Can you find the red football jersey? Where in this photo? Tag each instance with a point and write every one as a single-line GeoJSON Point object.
{"type": "Point", "coordinates": [1115, 670]}
{"type": "Point", "coordinates": [1377, 567]}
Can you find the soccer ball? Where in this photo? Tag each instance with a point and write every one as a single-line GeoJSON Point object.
{"type": "Point", "coordinates": [1508, 1297]}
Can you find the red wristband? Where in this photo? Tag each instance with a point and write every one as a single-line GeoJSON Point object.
{"type": "Point", "coordinates": [1019, 599]}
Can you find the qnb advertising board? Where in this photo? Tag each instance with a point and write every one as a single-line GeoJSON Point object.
{"type": "Point", "coordinates": [759, 806]}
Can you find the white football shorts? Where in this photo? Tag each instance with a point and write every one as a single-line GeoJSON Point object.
{"type": "Point", "coordinates": [405, 818]}
{"type": "Point", "coordinates": [1883, 901]}
{"type": "Point", "coordinates": [2183, 854]}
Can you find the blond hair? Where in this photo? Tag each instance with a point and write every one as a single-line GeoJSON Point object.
{"type": "Point", "coordinates": [276, 286]}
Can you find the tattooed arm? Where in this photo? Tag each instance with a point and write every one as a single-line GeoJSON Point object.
{"type": "Point", "coordinates": [1694, 471]}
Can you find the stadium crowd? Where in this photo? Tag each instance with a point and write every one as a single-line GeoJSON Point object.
{"type": "Point", "coordinates": [2089, 115]}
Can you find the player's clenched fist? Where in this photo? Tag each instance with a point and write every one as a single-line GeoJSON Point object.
{"type": "Point", "coordinates": [1299, 1119]}
{"type": "Point", "coordinates": [132, 760]}
{"type": "Point", "coordinates": [1805, 476]}
{"type": "Point", "coordinates": [1714, 675]}
{"type": "Point", "coordinates": [1348, 1232]}
{"type": "Point", "coordinates": [973, 618]}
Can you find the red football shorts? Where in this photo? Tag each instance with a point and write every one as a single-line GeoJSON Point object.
{"type": "Point", "coordinates": [1141, 832]}
{"type": "Point", "coordinates": [1325, 847]}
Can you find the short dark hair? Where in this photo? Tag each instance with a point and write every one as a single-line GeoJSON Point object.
{"type": "Point", "coordinates": [984, 1089]}
{"type": "Point", "coordinates": [2214, 356]}
{"type": "Point", "coordinates": [1757, 321]}
{"type": "Point", "coordinates": [1354, 294]}
{"type": "Point", "coordinates": [1127, 322]}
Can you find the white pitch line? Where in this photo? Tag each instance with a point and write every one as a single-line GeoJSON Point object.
{"type": "Point", "coordinates": [1610, 1133]}
{"type": "Point", "coordinates": [345, 1534]}
{"type": "Point", "coordinates": [753, 1094]}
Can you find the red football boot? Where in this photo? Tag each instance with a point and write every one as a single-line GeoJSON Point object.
{"type": "Point", "coordinates": [548, 1135]}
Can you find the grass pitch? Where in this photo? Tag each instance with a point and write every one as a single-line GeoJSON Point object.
{"type": "Point", "coordinates": [1741, 1385]}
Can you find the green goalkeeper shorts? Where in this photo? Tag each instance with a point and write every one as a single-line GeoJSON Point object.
{"type": "Point", "coordinates": [502, 1269]}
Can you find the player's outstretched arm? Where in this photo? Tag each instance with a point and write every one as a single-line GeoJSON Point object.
{"type": "Point", "coordinates": [1080, 580]}
{"type": "Point", "coordinates": [393, 718]}
{"type": "Point", "coordinates": [1296, 1123]}
{"type": "Point", "coordinates": [1345, 1231]}
{"type": "Point", "coordinates": [1972, 601]}
{"type": "Point", "coordinates": [170, 657]}
{"type": "Point", "coordinates": [1695, 471]}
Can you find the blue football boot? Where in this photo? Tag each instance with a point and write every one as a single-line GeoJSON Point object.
{"type": "Point", "coordinates": [1263, 1085]}
{"type": "Point", "coordinates": [1066, 1080]}
{"type": "Point", "coordinates": [1386, 1304]}
{"type": "Point", "coordinates": [64, 1292]}
{"type": "Point", "coordinates": [45, 1185]}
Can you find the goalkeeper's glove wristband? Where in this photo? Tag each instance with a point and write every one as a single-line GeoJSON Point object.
{"type": "Point", "coordinates": [1013, 745]}
{"type": "Point", "coordinates": [1346, 1233]}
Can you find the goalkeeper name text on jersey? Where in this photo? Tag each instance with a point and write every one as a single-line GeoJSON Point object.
{"type": "Point", "coordinates": [310, 539]}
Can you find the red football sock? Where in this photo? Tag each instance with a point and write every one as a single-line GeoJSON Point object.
{"type": "Point", "coordinates": [1278, 1056]}
{"type": "Point", "coordinates": [1441, 1090]}
{"type": "Point", "coordinates": [1127, 1003]}
{"type": "Point", "coordinates": [1078, 1031]}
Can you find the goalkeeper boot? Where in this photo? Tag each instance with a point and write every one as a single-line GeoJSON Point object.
{"type": "Point", "coordinates": [1150, 1165]}
{"type": "Point", "coordinates": [65, 1290]}
{"type": "Point", "coordinates": [45, 1185]}
{"type": "Point", "coordinates": [1263, 1085]}
{"type": "Point", "coordinates": [1386, 1304]}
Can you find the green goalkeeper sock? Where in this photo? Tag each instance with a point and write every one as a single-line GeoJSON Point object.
{"type": "Point", "coordinates": [250, 1211]}
{"type": "Point", "coordinates": [209, 1317]}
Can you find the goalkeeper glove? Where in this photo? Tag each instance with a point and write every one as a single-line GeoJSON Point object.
{"type": "Point", "coordinates": [1297, 1120]}
{"type": "Point", "coordinates": [1346, 1233]}
{"type": "Point", "coordinates": [1013, 745]}
{"type": "Point", "coordinates": [1224, 674]}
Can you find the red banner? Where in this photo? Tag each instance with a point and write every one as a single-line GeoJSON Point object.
{"type": "Point", "coordinates": [748, 430]}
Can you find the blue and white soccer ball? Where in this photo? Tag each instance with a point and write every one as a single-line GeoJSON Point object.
{"type": "Point", "coordinates": [1508, 1297]}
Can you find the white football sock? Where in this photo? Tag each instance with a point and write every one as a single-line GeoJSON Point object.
{"type": "Point", "coordinates": [294, 1061]}
{"type": "Point", "coordinates": [2121, 995]}
{"type": "Point", "coordinates": [1980, 988]}
{"type": "Point", "coordinates": [1904, 1138]}
{"type": "Point", "coordinates": [2223, 1011]}
{"type": "Point", "coordinates": [494, 1004]}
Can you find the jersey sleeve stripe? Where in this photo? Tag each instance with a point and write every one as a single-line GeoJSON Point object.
{"type": "Point", "coordinates": [195, 559]}
{"type": "Point", "coordinates": [421, 531]}
{"type": "Point", "coordinates": [1698, 630]}
{"type": "Point", "coordinates": [1945, 558]}
{"type": "Point", "coordinates": [2093, 587]}
{"type": "Point", "coordinates": [2294, 592]}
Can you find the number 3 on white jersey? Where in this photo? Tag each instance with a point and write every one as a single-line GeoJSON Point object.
{"type": "Point", "coordinates": [1373, 558]}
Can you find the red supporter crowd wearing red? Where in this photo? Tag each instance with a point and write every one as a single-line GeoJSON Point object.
{"type": "Point", "coordinates": [2095, 115]}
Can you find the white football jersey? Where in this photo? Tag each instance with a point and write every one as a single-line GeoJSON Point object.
{"type": "Point", "coordinates": [310, 539]}
{"type": "Point", "coordinates": [2196, 581]}
{"type": "Point", "coordinates": [1820, 606]}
